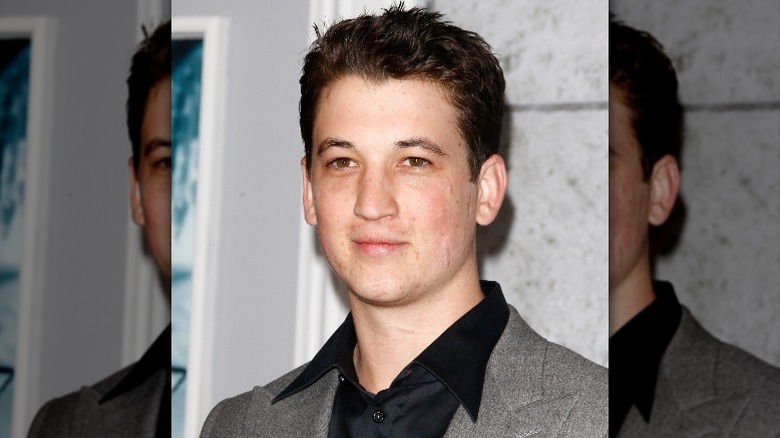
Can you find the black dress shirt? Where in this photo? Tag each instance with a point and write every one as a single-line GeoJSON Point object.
{"type": "Point", "coordinates": [156, 359]}
{"type": "Point", "coordinates": [635, 353]}
{"type": "Point", "coordinates": [423, 398]}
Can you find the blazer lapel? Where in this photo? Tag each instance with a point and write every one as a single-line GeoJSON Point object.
{"type": "Point", "coordinates": [688, 375]}
{"type": "Point", "coordinates": [513, 399]}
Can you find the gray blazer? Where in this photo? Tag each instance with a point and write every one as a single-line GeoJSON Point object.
{"type": "Point", "coordinates": [125, 404]}
{"type": "Point", "coordinates": [533, 388]}
{"type": "Point", "coordinates": [707, 388]}
{"type": "Point", "coordinates": [80, 414]}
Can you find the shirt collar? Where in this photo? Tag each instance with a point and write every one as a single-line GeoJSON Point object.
{"type": "Point", "coordinates": [156, 358]}
{"type": "Point", "coordinates": [636, 350]}
{"type": "Point", "coordinates": [458, 357]}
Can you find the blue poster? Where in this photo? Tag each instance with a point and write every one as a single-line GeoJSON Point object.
{"type": "Point", "coordinates": [14, 84]}
{"type": "Point", "coordinates": [185, 119]}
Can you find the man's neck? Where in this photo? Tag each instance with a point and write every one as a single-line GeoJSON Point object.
{"type": "Point", "coordinates": [389, 338]}
{"type": "Point", "coordinates": [630, 297]}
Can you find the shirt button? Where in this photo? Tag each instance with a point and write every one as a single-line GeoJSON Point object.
{"type": "Point", "coordinates": [341, 378]}
{"type": "Point", "coordinates": [378, 417]}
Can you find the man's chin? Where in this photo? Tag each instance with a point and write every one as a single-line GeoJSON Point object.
{"type": "Point", "coordinates": [379, 294]}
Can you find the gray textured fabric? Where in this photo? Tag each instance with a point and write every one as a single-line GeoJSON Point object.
{"type": "Point", "coordinates": [707, 388]}
{"type": "Point", "coordinates": [533, 388]}
{"type": "Point", "coordinates": [79, 414]}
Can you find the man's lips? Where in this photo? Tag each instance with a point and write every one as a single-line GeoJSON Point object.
{"type": "Point", "coordinates": [378, 246]}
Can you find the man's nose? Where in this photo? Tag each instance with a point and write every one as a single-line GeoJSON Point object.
{"type": "Point", "coordinates": [376, 195]}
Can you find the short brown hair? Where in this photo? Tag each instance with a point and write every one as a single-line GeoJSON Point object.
{"type": "Point", "coordinates": [151, 64]}
{"type": "Point", "coordinates": [639, 67]}
{"type": "Point", "coordinates": [411, 44]}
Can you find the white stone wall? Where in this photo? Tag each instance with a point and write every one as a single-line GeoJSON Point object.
{"type": "Point", "coordinates": [726, 266]}
{"type": "Point", "coordinates": [548, 248]}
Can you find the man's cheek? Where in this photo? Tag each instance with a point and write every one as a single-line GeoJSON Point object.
{"type": "Point", "coordinates": [442, 214]}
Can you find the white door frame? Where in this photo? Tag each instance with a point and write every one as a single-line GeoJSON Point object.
{"type": "Point", "coordinates": [41, 31]}
{"type": "Point", "coordinates": [213, 31]}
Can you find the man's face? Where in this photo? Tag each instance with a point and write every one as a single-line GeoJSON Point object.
{"type": "Point", "coordinates": [390, 190]}
{"type": "Point", "coordinates": [150, 192]}
{"type": "Point", "coordinates": [629, 195]}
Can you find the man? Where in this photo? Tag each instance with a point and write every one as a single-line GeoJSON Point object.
{"type": "Point", "coordinates": [668, 376]}
{"type": "Point", "coordinates": [135, 401]}
{"type": "Point", "coordinates": [401, 118]}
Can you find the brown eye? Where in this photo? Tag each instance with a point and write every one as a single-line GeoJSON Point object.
{"type": "Point", "coordinates": [164, 163]}
{"type": "Point", "coordinates": [341, 163]}
{"type": "Point", "coordinates": [417, 161]}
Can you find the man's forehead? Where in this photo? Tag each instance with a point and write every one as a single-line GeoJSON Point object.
{"type": "Point", "coordinates": [411, 102]}
{"type": "Point", "coordinates": [373, 84]}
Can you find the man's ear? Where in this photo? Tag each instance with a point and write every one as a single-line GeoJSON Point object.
{"type": "Point", "coordinates": [309, 212]}
{"type": "Point", "coordinates": [491, 185]}
{"type": "Point", "coordinates": [664, 185]}
{"type": "Point", "coordinates": [136, 206]}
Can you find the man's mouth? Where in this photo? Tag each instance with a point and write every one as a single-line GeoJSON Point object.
{"type": "Point", "coordinates": [378, 246]}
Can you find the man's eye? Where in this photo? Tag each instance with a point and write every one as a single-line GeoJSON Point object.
{"type": "Point", "coordinates": [341, 163]}
{"type": "Point", "coordinates": [164, 163]}
{"type": "Point", "coordinates": [417, 162]}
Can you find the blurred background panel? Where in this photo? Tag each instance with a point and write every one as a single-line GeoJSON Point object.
{"type": "Point", "coordinates": [268, 299]}
{"type": "Point", "coordinates": [724, 262]}
{"type": "Point", "coordinates": [88, 302]}
{"type": "Point", "coordinates": [14, 86]}
{"type": "Point", "coordinates": [185, 116]}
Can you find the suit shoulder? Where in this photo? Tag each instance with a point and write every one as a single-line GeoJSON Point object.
{"type": "Point", "coordinates": [736, 371]}
{"type": "Point", "coordinates": [734, 359]}
{"type": "Point", "coordinates": [709, 377]}
{"type": "Point", "coordinates": [55, 416]}
{"type": "Point", "coordinates": [541, 372]}
{"type": "Point", "coordinates": [567, 368]}
{"type": "Point", "coordinates": [563, 369]}
{"type": "Point", "coordinates": [568, 373]}
{"type": "Point", "coordinates": [739, 372]}
{"type": "Point", "coordinates": [229, 416]}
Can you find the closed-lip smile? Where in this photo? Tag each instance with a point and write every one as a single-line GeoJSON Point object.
{"type": "Point", "coordinates": [377, 246]}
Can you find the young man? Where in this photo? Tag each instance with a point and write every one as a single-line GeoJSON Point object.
{"type": "Point", "coordinates": [135, 401]}
{"type": "Point", "coordinates": [668, 376]}
{"type": "Point", "coordinates": [401, 118]}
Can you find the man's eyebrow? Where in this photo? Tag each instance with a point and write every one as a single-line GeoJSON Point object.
{"type": "Point", "coordinates": [424, 143]}
{"type": "Point", "coordinates": [156, 143]}
{"type": "Point", "coordinates": [332, 143]}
